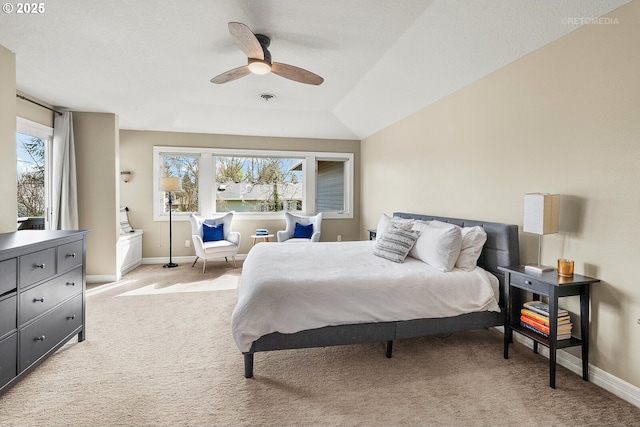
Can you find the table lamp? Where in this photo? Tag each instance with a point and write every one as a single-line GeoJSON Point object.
{"type": "Point", "coordinates": [541, 216]}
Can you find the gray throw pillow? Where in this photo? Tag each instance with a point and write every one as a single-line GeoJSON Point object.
{"type": "Point", "coordinates": [395, 244]}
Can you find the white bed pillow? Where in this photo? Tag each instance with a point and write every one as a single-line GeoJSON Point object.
{"type": "Point", "coordinates": [385, 221]}
{"type": "Point", "coordinates": [438, 245]}
{"type": "Point", "coordinates": [395, 243]}
{"type": "Point", "coordinates": [473, 240]}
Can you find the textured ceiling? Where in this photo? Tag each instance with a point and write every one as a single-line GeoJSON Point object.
{"type": "Point", "coordinates": [150, 61]}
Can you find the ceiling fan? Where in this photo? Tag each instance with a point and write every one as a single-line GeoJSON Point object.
{"type": "Point", "coordinates": [255, 46]}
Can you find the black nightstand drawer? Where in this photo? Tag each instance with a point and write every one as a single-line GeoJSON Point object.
{"type": "Point", "coordinates": [8, 348]}
{"type": "Point", "coordinates": [42, 335]}
{"type": "Point", "coordinates": [37, 300]}
{"type": "Point", "coordinates": [528, 283]}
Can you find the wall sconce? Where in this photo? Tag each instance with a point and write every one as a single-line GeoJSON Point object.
{"type": "Point", "coordinates": [125, 175]}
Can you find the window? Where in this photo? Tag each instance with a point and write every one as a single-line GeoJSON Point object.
{"type": "Point", "coordinates": [258, 184]}
{"type": "Point", "coordinates": [255, 183]}
{"type": "Point", "coordinates": [184, 167]}
{"type": "Point", "coordinates": [33, 147]}
{"type": "Point", "coordinates": [330, 186]}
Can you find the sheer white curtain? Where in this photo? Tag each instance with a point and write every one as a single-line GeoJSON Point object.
{"type": "Point", "coordinates": [64, 187]}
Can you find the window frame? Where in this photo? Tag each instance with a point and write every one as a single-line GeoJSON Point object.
{"type": "Point", "coordinates": [29, 127]}
{"type": "Point", "coordinates": [206, 190]}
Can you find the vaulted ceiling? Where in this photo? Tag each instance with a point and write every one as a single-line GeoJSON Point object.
{"type": "Point", "coordinates": [151, 61]}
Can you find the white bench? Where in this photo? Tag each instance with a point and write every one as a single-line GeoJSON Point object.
{"type": "Point", "coordinates": [129, 251]}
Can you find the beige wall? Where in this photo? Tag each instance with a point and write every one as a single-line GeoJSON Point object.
{"type": "Point", "coordinates": [33, 112]}
{"type": "Point", "coordinates": [97, 164]}
{"type": "Point", "coordinates": [8, 168]}
{"type": "Point", "coordinates": [136, 155]}
{"type": "Point", "coordinates": [564, 119]}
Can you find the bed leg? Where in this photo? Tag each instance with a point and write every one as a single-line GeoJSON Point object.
{"type": "Point", "coordinates": [248, 365]}
{"type": "Point", "coordinates": [389, 349]}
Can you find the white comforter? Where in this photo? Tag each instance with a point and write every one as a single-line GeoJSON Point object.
{"type": "Point", "coordinates": [288, 288]}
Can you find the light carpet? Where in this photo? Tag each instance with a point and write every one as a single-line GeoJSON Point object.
{"type": "Point", "coordinates": [159, 352]}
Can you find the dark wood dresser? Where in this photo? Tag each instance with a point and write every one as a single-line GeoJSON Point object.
{"type": "Point", "coordinates": [42, 297]}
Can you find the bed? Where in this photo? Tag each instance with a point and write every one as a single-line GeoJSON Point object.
{"type": "Point", "coordinates": [286, 302]}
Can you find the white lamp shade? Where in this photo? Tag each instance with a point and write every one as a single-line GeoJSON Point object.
{"type": "Point", "coordinates": [170, 184]}
{"type": "Point", "coordinates": [541, 213]}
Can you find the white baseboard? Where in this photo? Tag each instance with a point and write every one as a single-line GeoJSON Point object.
{"type": "Point", "coordinates": [101, 278]}
{"type": "Point", "coordinates": [599, 377]}
{"type": "Point", "coordinates": [164, 260]}
{"type": "Point", "coordinates": [108, 278]}
{"type": "Point", "coordinates": [181, 259]}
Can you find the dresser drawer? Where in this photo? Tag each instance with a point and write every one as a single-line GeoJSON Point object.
{"type": "Point", "coordinates": [8, 349]}
{"type": "Point", "coordinates": [7, 314]}
{"type": "Point", "coordinates": [69, 256]}
{"type": "Point", "coordinates": [529, 284]}
{"type": "Point", "coordinates": [8, 275]}
{"type": "Point", "coordinates": [41, 298]}
{"type": "Point", "coordinates": [48, 331]}
{"type": "Point", "coordinates": [37, 266]}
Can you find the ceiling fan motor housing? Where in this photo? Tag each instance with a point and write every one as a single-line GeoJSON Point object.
{"type": "Point", "coordinates": [264, 42]}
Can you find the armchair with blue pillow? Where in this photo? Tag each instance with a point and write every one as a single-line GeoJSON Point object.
{"type": "Point", "coordinates": [300, 228]}
{"type": "Point", "coordinates": [213, 238]}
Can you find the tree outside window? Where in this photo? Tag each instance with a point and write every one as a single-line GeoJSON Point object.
{"type": "Point", "coordinates": [185, 168]}
{"type": "Point", "coordinates": [258, 184]}
{"type": "Point", "coordinates": [31, 175]}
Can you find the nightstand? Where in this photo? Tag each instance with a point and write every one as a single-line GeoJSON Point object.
{"type": "Point", "coordinates": [551, 285]}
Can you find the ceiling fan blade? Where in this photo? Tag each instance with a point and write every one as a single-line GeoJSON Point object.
{"type": "Point", "coordinates": [296, 74]}
{"type": "Point", "coordinates": [231, 75]}
{"type": "Point", "coordinates": [246, 40]}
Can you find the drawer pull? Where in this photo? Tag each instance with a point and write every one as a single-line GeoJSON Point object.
{"type": "Point", "coordinates": [71, 283]}
{"type": "Point", "coordinates": [40, 266]}
{"type": "Point", "coordinates": [73, 316]}
{"type": "Point", "coordinates": [38, 299]}
{"type": "Point", "coordinates": [40, 338]}
{"type": "Point", "coordinates": [73, 255]}
{"type": "Point", "coordinates": [527, 282]}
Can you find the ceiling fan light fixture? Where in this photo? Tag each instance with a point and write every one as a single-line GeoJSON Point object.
{"type": "Point", "coordinates": [256, 48]}
{"type": "Point", "coordinates": [257, 66]}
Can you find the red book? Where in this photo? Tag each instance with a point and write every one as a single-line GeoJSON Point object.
{"type": "Point", "coordinates": [533, 322]}
{"type": "Point", "coordinates": [542, 327]}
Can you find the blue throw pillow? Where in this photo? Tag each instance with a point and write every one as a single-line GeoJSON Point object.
{"type": "Point", "coordinates": [212, 233]}
{"type": "Point", "coordinates": [303, 231]}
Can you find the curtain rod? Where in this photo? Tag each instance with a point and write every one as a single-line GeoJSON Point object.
{"type": "Point", "coordinates": [38, 104]}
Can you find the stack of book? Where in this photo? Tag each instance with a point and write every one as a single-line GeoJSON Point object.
{"type": "Point", "coordinates": [535, 316]}
{"type": "Point", "coordinates": [261, 231]}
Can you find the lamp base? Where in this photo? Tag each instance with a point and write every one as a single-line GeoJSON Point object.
{"type": "Point", "coordinates": [170, 265]}
{"type": "Point", "coordinates": [537, 268]}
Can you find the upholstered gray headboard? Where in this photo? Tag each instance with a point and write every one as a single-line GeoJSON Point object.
{"type": "Point", "coordinates": [501, 249]}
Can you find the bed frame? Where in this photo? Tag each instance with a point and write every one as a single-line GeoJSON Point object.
{"type": "Point", "coordinates": [501, 249]}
